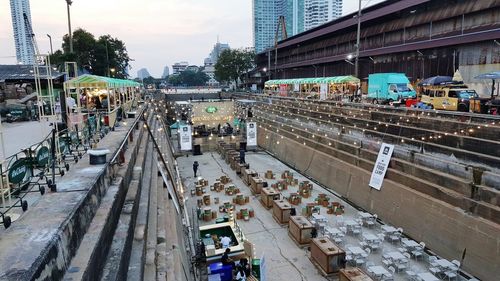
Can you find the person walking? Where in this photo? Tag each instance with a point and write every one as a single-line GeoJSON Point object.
{"type": "Point", "coordinates": [242, 156]}
{"type": "Point", "coordinates": [195, 168]}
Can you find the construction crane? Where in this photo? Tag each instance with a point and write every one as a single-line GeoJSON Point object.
{"type": "Point", "coordinates": [284, 35]}
{"type": "Point", "coordinates": [31, 34]}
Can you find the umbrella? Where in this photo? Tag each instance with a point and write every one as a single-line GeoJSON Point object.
{"type": "Point", "coordinates": [490, 75]}
{"type": "Point", "coordinates": [436, 80]}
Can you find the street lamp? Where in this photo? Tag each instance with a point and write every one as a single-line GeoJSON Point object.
{"type": "Point", "coordinates": [356, 63]}
{"type": "Point", "coordinates": [50, 40]}
{"type": "Point", "coordinates": [68, 3]}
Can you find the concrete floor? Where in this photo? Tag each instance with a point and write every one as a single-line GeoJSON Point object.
{"type": "Point", "coordinates": [285, 261]}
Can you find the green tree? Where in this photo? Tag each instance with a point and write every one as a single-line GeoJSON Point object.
{"type": "Point", "coordinates": [99, 57]}
{"type": "Point", "coordinates": [232, 64]}
{"type": "Point", "coordinates": [189, 78]}
{"type": "Point", "coordinates": [175, 80]}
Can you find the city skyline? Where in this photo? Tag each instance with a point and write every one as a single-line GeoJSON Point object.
{"type": "Point", "coordinates": [177, 37]}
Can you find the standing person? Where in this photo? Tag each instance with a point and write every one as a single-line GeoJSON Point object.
{"type": "Point", "coordinates": [195, 168]}
{"type": "Point", "coordinates": [225, 241]}
{"type": "Point", "coordinates": [242, 156]}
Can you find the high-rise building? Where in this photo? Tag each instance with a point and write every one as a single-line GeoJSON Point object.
{"type": "Point", "coordinates": [143, 73]}
{"type": "Point", "coordinates": [318, 12]}
{"type": "Point", "coordinates": [217, 50]}
{"type": "Point", "coordinates": [179, 67]}
{"type": "Point", "coordinates": [166, 72]}
{"type": "Point", "coordinates": [25, 52]}
{"type": "Point", "coordinates": [266, 14]}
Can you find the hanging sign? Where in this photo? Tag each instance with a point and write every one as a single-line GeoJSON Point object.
{"type": "Point", "coordinates": [322, 91]}
{"type": "Point", "coordinates": [18, 171]}
{"type": "Point", "coordinates": [283, 90]}
{"type": "Point", "coordinates": [381, 165]}
{"type": "Point", "coordinates": [185, 137]}
{"type": "Point", "coordinates": [251, 134]}
{"type": "Point", "coordinates": [296, 87]}
{"type": "Point", "coordinates": [42, 156]}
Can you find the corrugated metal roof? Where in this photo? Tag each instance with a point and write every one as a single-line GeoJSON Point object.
{"type": "Point", "coordinates": [23, 72]}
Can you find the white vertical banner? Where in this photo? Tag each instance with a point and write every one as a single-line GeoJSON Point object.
{"type": "Point", "coordinates": [296, 87]}
{"type": "Point", "coordinates": [322, 91]}
{"type": "Point", "coordinates": [263, 268]}
{"type": "Point", "coordinates": [185, 137]}
{"type": "Point", "coordinates": [381, 165]}
{"type": "Point", "coordinates": [251, 134]}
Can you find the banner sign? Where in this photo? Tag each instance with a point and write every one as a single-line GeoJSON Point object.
{"type": "Point", "coordinates": [381, 165]}
{"type": "Point", "coordinates": [185, 137]}
{"type": "Point", "coordinates": [296, 87]}
{"type": "Point", "coordinates": [284, 90]}
{"type": "Point", "coordinates": [322, 91]}
{"type": "Point", "coordinates": [251, 134]}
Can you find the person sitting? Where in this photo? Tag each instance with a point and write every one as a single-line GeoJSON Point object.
{"type": "Point", "coordinates": [226, 241]}
{"type": "Point", "coordinates": [245, 266]}
{"type": "Point", "coordinates": [225, 259]}
{"type": "Point", "coordinates": [240, 275]}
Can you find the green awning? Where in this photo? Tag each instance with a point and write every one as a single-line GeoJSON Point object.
{"type": "Point", "coordinates": [317, 80]}
{"type": "Point", "coordinates": [94, 81]}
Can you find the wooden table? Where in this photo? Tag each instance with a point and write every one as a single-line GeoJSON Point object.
{"type": "Point", "coordinates": [267, 197]}
{"type": "Point", "coordinates": [281, 211]}
{"type": "Point", "coordinates": [326, 255]}
{"type": "Point", "coordinates": [353, 274]}
{"type": "Point", "coordinates": [256, 184]}
{"type": "Point", "coordinates": [299, 229]}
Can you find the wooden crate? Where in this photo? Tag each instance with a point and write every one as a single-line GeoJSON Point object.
{"type": "Point", "coordinates": [300, 228]}
{"type": "Point", "coordinates": [267, 197]}
{"type": "Point", "coordinates": [281, 211]}
{"type": "Point", "coordinates": [256, 184]}
{"type": "Point", "coordinates": [326, 255]}
{"type": "Point", "coordinates": [247, 174]}
{"type": "Point", "coordinates": [234, 162]}
{"type": "Point", "coordinates": [353, 274]}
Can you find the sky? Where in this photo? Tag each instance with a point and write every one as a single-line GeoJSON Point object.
{"type": "Point", "coordinates": [156, 32]}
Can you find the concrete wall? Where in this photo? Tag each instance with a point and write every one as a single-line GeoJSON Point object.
{"type": "Point", "coordinates": [445, 229]}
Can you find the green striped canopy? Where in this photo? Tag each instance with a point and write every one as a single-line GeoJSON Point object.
{"type": "Point", "coordinates": [318, 80]}
{"type": "Point", "coordinates": [94, 81]}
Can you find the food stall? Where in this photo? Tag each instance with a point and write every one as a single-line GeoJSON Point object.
{"type": "Point", "coordinates": [90, 94]}
{"type": "Point", "coordinates": [333, 88]}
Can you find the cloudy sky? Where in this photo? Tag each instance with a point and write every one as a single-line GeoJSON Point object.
{"type": "Point", "coordinates": [156, 32]}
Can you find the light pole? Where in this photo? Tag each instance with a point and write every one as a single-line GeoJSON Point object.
{"type": "Point", "coordinates": [68, 3]}
{"type": "Point", "coordinates": [50, 40]}
{"type": "Point", "coordinates": [356, 63]}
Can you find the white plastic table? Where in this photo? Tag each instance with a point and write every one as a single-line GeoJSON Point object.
{"type": "Point", "coordinates": [356, 251]}
{"type": "Point", "coordinates": [409, 244]}
{"type": "Point", "coordinates": [426, 276]}
{"type": "Point", "coordinates": [370, 237]}
{"type": "Point", "coordinates": [396, 256]}
{"type": "Point", "coordinates": [445, 263]}
{"type": "Point", "coordinates": [388, 229]}
{"type": "Point", "coordinates": [378, 270]}
{"type": "Point", "coordinates": [365, 215]}
{"type": "Point", "coordinates": [319, 217]}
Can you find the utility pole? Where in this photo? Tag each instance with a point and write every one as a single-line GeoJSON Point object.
{"type": "Point", "coordinates": [50, 40]}
{"type": "Point", "coordinates": [356, 63]}
{"type": "Point", "coordinates": [68, 3]}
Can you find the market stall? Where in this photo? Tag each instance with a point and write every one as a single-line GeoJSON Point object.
{"type": "Point", "coordinates": [335, 87]}
{"type": "Point", "coordinates": [90, 94]}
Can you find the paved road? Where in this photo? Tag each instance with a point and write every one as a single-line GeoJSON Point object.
{"type": "Point", "coordinates": [17, 136]}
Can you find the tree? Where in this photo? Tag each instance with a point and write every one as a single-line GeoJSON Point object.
{"type": "Point", "coordinates": [189, 78]}
{"type": "Point", "coordinates": [232, 64]}
{"type": "Point", "coordinates": [99, 57]}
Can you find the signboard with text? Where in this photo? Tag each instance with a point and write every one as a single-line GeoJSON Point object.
{"type": "Point", "coordinates": [185, 137]}
{"type": "Point", "coordinates": [322, 91]}
{"type": "Point", "coordinates": [251, 134]}
{"type": "Point", "coordinates": [381, 165]}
